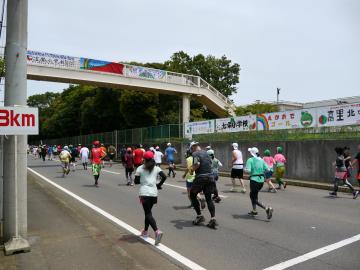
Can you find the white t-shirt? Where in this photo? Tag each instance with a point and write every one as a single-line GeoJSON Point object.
{"type": "Point", "coordinates": [84, 152]}
{"type": "Point", "coordinates": [148, 181]}
{"type": "Point", "coordinates": [158, 157]}
{"type": "Point", "coordinates": [238, 163]}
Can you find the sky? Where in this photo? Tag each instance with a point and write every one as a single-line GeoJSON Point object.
{"type": "Point", "coordinates": [309, 49]}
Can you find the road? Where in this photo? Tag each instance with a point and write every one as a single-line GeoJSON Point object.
{"type": "Point", "coordinates": [304, 220]}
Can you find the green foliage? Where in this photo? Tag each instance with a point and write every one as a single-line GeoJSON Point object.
{"type": "Point", "coordinates": [256, 108]}
{"type": "Point", "coordinates": [2, 67]}
{"type": "Point", "coordinates": [42, 100]}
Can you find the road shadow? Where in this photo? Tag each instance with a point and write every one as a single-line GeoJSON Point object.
{"type": "Point", "coordinates": [90, 186]}
{"type": "Point", "coordinates": [131, 239]}
{"type": "Point", "coordinates": [337, 197]}
{"type": "Point", "coordinates": [246, 216]}
{"type": "Point", "coordinates": [180, 224]}
{"type": "Point", "coordinates": [181, 207]}
{"type": "Point", "coordinates": [44, 166]}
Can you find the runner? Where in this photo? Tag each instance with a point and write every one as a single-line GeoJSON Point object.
{"type": "Point", "coordinates": [123, 151]}
{"type": "Point", "coordinates": [103, 148]}
{"type": "Point", "coordinates": [84, 155]}
{"type": "Point", "coordinates": [341, 173]}
{"type": "Point", "coordinates": [97, 155]}
{"type": "Point", "coordinates": [256, 167]}
{"type": "Point", "coordinates": [237, 170]}
{"type": "Point", "coordinates": [74, 155]}
{"type": "Point", "coordinates": [43, 152]}
{"type": "Point", "coordinates": [204, 181]}
{"type": "Point", "coordinates": [129, 166]}
{"type": "Point", "coordinates": [138, 156]}
{"type": "Point", "coordinates": [169, 154]}
{"type": "Point", "coordinates": [65, 157]}
{"type": "Point", "coordinates": [50, 153]}
{"type": "Point", "coordinates": [270, 162]}
{"type": "Point", "coordinates": [215, 166]}
{"type": "Point", "coordinates": [347, 156]}
{"type": "Point", "coordinates": [112, 153]}
{"type": "Point", "coordinates": [34, 152]}
{"type": "Point", "coordinates": [146, 176]}
{"type": "Point", "coordinates": [55, 151]}
{"type": "Point", "coordinates": [189, 174]}
{"type": "Point", "coordinates": [280, 161]}
{"type": "Point", "coordinates": [356, 164]}
{"type": "Point", "coordinates": [158, 156]}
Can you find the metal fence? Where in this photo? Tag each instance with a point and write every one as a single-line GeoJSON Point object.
{"type": "Point", "coordinates": [145, 135]}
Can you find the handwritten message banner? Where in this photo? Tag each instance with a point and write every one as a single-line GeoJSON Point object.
{"type": "Point", "coordinates": [53, 60]}
{"type": "Point", "coordinates": [340, 115]}
{"type": "Point", "coordinates": [236, 124]}
{"type": "Point", "coordinates": [145, 73]}
{"type": "Point", "coordinates": [202, 127]}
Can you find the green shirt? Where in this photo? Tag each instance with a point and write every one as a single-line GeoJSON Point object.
{"type": "Point", "coordinates": [256, 168]}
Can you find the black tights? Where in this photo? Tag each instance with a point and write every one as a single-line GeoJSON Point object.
{"type": "Point", "coordinates": [96, 178]}
{"type": "Point", "coordinates": [196, 204]}
{"type": "Point", "coordinates": [346, 183]}
{"type": "Point", "coordinates": [148, 203]}
{"type": "Point", "coordinates": [255, 187]}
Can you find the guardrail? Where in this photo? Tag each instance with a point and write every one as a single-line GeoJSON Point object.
{"type": "Point", "coordinates": [37, 58]}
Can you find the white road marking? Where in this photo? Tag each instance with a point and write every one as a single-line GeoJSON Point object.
{"type": "Point", "coordinates": [165, 184]}
{"type": "Point", "coordinates": [314, 254]}
{"type": "Point", "coordinates": [175, 255]}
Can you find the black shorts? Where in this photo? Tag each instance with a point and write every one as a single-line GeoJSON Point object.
{"type": "Point", "coordinates": [129, 170]}
{"type": "Point", "coordinates": [237, 173]}
{"type": "Point", "coordinates": [204, 184]}
{"type": "Point", "coordinates": [111, 156]}
{"type": "Point", "coordinates": [148, 200]}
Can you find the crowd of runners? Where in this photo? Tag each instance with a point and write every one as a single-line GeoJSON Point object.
{"type": "Point", "coordinates": [142, 166]}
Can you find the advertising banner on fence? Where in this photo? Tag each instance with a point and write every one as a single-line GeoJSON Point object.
{"type": "Point", "coordinates": [19, 121]}
{"type": "Point", "coordinates": [236, 124]}
{"type": "Point", "coordinates": [99, 65]}
{"type": "Point", "coordinates": [287, 120]}
{"type": "Point", "coordinates": [145, 73]}
{"type": "Point", "coordinates": [202, 127]}
{"type": "Point", "coordinates": [50, 59]}
{"type": "Point", "coordinates": [340, 115]}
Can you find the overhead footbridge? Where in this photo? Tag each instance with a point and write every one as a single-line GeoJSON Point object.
{"type": "Point", "coordinates": [44, 66]}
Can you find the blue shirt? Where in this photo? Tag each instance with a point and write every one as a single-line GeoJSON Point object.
{"type": "Point", "coordinates": [169, 152]}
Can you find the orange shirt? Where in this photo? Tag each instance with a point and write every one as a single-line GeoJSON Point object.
{"type": "Point", "coordinates": [96, 155]}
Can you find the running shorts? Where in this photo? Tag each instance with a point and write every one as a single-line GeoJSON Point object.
{"type": "Point", "coordinates": [129, 170]}
{"type": "Point", "coordinates": [280, 171]}
{"type": "Point", "coordinates": [204, 184]}
{"type": "Point", "coordinates": [111, 156]}
{"type": "Point", "coordinates": [268, 174]}
{"type": "Point", "coordinates": [96, 168]}
{"type": "Point", "coordinates": [146, 199]}
{"type": "Point", "coordinates": [189, 184]}
{"type": "Point", "coordinates": [237, 173]}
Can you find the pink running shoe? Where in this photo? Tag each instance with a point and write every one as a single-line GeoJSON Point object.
{"type": "Point", "coordinates": [144, 234]}
{"type": "Point", "coordinates": [158, 236]}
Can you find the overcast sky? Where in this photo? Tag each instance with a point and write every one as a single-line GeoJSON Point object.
{"type": "Point", "coordinates": [308, 48]}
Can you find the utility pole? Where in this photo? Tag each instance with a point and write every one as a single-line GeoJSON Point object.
{"type": "Point", "coordinates": [277, 95]}
{"type": "Point", "coordinates": [15, 174]}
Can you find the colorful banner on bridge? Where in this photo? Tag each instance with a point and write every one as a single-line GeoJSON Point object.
{"type": "Point", "coordinates": [340, 115]}
{"type": "Point", "coordinates": [236, 124]}
{"type": "Point", "coordinates": [287, 120]}
{"type": "Point", "coordinates": [52, 60]}
{"type": "Point", "coordinates": [202, 127]}
{"type": "Point", "coordinates": [145, 73]}
{"type": "Point", "coordinates": [103, 66]}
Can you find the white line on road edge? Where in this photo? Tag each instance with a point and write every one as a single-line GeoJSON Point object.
{"type": "Point", "coordinates": [175, 255]}
{"type": "Point", "coordinates": [165, 184]}
{"type": "Point", "coordinates": [313, 254]}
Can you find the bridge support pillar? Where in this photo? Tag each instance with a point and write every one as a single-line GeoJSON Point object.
{"type": "Point", "coordinates": [186, 108]}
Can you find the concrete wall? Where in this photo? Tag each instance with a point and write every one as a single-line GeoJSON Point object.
{"type": "Point", "coordinates": [306, 160]}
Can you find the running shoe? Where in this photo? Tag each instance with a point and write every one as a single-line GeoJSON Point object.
{"type": "Point", "coordinates": [158, 235]}
{"type": "Point", "coordinates": [212, 224]}
{"type": "Point", "coordinates": [269, 212]}
{"type": "Point", "coordinates": [198, 220]}
{"type": "Point", "coordinates": [144, 234]}
{"type": "Point", "coordinates": [132, 184]}
{"type": "Point", "coordinates": [356, 194]}
{"type": "Point", "coordinates": [217, 199]}
{"type": "Point", "coordinates": [202, 203]}
{"type": "Point", "coordinates": [273, 190]}
{"type": "Point", "coordinates": [243, 190]}
{"type": "Point", "coordinates": [253, 213]}
{"type": "Point", "coordinates": [174, 175]}
{"type": "Point", "coordinates": [333, 194]}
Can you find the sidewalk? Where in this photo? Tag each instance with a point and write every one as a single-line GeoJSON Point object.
{"type": "Point", "coordinates": [67, 235]}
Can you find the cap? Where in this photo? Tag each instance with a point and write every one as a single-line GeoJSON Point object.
{"type": "Point", "coordinates": [208, 147]}
{"type": "Point", "coordinates": [157, 147]}
{"type": "Point", "coordinates": [168, 144]}
{"type": "Point", "coordinates": [253, 151]}
{"type": "Point", "coordinates": [66, 148]}
{"type": "Point", "coordinates": [148, 155]}
{"type": "Point", "coordinates": [193, 143]}
{"type": "Point", "coordinates": [235, 145]}
{"type": "Point", "coordinates": [96, 143]}
{"type": "Point", "coordinates": [267, 153]}
{"type": "Point", "coordinates": [210, 152]}
{"type": "Point", "coordinates": [279, 149]}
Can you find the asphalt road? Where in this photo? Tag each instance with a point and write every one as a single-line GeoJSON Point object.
{"type": "Point", "coordinates": [304, 220]}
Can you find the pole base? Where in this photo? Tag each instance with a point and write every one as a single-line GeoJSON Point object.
{"type": "Point", "coordinates": [16, 245]}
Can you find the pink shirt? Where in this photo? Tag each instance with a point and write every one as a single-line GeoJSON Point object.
{"type": "Point", "coordinates": [279, 158]}
{"type": "Point", "coordinates": [269, 161]}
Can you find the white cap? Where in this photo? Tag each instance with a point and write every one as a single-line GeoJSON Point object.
{"type": "Point", "coordinates": [253, 151]}
{"type": "Point", "coordinates": [193, 143]}
{"type": "Point", "coordinates": [208, 147]}
{"type": "Point", "coordinates": [157, 147]}
{"type": "Point", "coordinates": [168, 144]}
{"type": "Point", "coordinates": [235, 145]}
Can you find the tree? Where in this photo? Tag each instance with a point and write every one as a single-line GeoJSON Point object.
{"type": "Point", "coordinates": [42, 100]}
{"type": "Point", "coordinates": [256, 108]}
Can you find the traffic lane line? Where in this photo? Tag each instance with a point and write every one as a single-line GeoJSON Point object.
{"type": "Point", "coordinates": [314, 254]}
{"type": "Point", "coordinates": [165, 184]}
{"type": "Point", "coordinates": [168, 251]}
